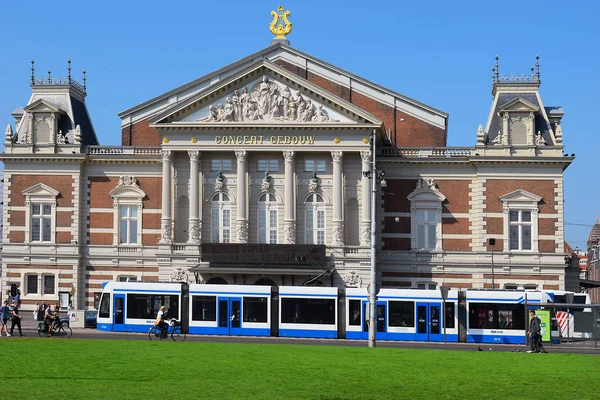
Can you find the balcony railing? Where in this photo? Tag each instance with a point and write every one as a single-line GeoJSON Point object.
{"type": "Point", "coordinates": [122, 150]}
{"type": "Point", "coordinates": [417, 152]}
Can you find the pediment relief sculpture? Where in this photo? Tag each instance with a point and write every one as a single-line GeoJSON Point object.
{"type": "Point", "coordinates": [267, 101]}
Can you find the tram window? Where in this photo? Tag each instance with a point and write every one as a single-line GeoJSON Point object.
{"type": "Point", "coordinates": [146, 306]}
{"type": "Point", "coordinates": [308, 311]}
{"type": "Point", "coordinates": [449, 315]}
{"type": "Point", "coordinates": [354, 312]}
{"type": "Point", "coordinates": [402, 313]}
{"type": "Point", "coordinates": [255, 309]}
{"type": "Point", "coordinates": [496, 316]}
{"type": "Point", "coordinates": [204, 308]}
{"type": "Point", "coordinates": [104, 306]}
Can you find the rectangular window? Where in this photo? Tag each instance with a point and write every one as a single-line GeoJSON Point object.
{"type": "Point", "coordinates": [223, 165]}
{"type": "Point", "coordinates": [255, 309]}
{"type": "Point", "coordinates": [41, 222]}
{"type": "Point", "coordinates": [307, 311]}
{"type": "Point", "coordinates": [127, 279]}
{"type": "Point", "coordinates": [204, 308]}
{"type": "Point", "coordinates": [268, 165]}
{"type": "Point", "coordinates": [449, 316]}
{"type": "Point", "coordinates": [97, 296]}
{"type": "Point", "coordinates": [32, 284]}
{"type": "Point", "coordinates": [314, 165]}
{"type": "Point", "coordinates": [426, 228]}
{"type": "Point", "coordinates": [402, 313]}
{"type": "Point", "coordinates": [128, 224]}
{"type": "Point", "coordinates": [496, 316]}
{"type": "Point", "coordinates": [146, 306]}
{"type": "Point", "coordinates": [519, 234]}
{"type": "Point", "coordinates": [49, 284]}
{"type": "Point", "coordinates": [104, 311]}
{"type": "Point", "coordinates": [354, 312]}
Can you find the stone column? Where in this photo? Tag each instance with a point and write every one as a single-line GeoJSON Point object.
{"type": "Point", "coordinates": [242, 188]}
{"type": "Point", "coordinates": [505, 129]}
{"type": "Point", "coordinates": [166, 229]}
{"type": "Point", "coordinates": [193, 225]}
{"type": "Point", "coordinates": [338, 199]}
{"type": "Point", "coordinates": [289, 204]}
{"type": "Point", "coordinates": [365, 188]}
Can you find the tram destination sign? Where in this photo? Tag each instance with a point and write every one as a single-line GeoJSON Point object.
{"type": "Point", "coordinates": [252, 253]}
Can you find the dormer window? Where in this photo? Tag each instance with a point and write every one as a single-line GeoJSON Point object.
{"type": "Point", "coordinates": [128, 204]}
{"type": "Point", "coordinates": [426, 216]}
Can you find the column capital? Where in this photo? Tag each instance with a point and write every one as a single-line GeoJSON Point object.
{"type": "Point", "coordinates": [194, 155]}
{"type": "Point", "coordinates": [365, 156]}
{"type": "Point", "coordinates": [166, 155]}
{"type": "Point", "coordinates": [337, 156]}
{"type": "Point", "coordinates": [289, 155]}
{"type": "Point", "coordinates": [242, 156]}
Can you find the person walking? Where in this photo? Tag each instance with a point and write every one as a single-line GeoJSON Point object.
{"type": "Point", "coordinates": [16, 320]}
{"type": "Point", "coordinates": [4, 312]}
{"type": "Point", "coordinates": [535, 328]}
{"type": "Point", "coordinates": [36, 310]}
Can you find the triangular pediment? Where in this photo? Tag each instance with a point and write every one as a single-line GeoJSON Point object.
{"type": "Point", "coordinates": [520, 196]}
{"type": "Point", "coordinates": [518, 104]}
{"type": "Point", "coordinates": [42, 106]}
{"type": "Point", "coordinates": [40, 190]}
{"type": "Point", "coordinates": [263, 94]}
{"type": "Point", "coordinates": [426, 191]}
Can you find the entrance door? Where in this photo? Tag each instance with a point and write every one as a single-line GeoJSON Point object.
{"type": "Point", "coordinates": [230, 312]}
{"type": "Point", "coordinates": [119, 313]}
{"type": "Point", "coordinates": [429, 322]}
{"type": "Point", "coordinates": [380, 320]}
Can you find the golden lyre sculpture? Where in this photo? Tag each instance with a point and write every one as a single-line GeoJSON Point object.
{"type": "Point", "coordinates": [279, 30]}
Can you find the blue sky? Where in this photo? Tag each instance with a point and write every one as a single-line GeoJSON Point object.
{"type": "Point", "coordinates": [437, 52]}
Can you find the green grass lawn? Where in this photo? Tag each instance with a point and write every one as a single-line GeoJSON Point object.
{"type": "Point", "coordinates": [114, 369]}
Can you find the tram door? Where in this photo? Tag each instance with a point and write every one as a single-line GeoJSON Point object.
{"type": "Point", "coordinates": [119, 313]}
{"type": "Point", "coordinates": [230, 313]}
{"type": "Point", "coordinates": [429, 322]}
{"type": "Point", "coordinates": [380, 320]}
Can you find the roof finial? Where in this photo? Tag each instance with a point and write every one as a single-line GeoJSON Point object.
{"type": "Point", "coordinates": [497, 68]}
{"type": "Point", "coordinates": [49, 78]}
{"type": "Point", "coordinates": [537, 66]}
{"type": "Point", "coordinates": [33, 72]}
{"type": "Point", "coordinates": [69, 69]}
{"type": "Point", "coordinates": [84, 82]}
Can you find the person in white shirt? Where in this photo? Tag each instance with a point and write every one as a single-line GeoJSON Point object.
{"type": "Point", "coordinates": [160, 321]}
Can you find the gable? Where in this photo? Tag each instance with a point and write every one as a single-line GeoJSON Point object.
{"type": "Point", "coordinates": [42, 106]}
{"type": "Point", "coordinates": [264, 93]}
{"type": "Point", "coordinates": [40, 191]}
{"type": "Point", "coordinates": [520, 196]}
{"type": "Point", "coordinates": [518, 105]}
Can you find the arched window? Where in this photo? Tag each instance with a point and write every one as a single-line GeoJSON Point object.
{"type": "Point", "coordinates": [315, 219]}
{"type": "Point", "coordinates": [267, 219]}
{"type": "Point", "coordinates": [220, 218]}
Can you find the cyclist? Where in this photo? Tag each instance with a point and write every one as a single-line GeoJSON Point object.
{"type": "Point", "coordinates": [160, 321]}
{"type": "Point", "coordinates": [49, 319]}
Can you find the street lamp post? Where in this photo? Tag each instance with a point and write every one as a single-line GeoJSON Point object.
{"type": "Point", "coordinates": [373, 174]}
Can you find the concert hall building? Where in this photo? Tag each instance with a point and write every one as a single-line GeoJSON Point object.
{"type": "Point", "coordinates": [261, 172]}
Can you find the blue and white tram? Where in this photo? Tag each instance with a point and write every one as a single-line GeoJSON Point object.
{"type": "Point", "coordinates": [132, 306]}
{"type": "Point", "coordinates": [499, 316]}
{"type": "Point", "coordinates": [240, 310]}
{"type": "Point", "coordinates": [307, 311]}
{"type": "Point", "coordinates": [403, 314]}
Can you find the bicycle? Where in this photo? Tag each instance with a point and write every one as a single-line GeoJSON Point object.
{"type": "Point", "coordinates": [61, 329]}
{"type": "Point", "coordinates": [174, 330]}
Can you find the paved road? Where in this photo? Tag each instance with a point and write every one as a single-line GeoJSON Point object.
{"type": "Point", "coordinates": [579, 347]}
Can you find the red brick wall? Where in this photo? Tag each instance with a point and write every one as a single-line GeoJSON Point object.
{"type": "Point", "coordinates": [494, 226]}
{"type": "Point", "coordinates": [101, 186]}
{"type": "Point", "coordinates": [547, 246]}
{"type": "Point", "coordinates": [63, 218]}
{"type": "Point", "coordinates": [16, 237]}
{"type": "Point", "coordinates": [547, 226]}
{"type": "Point", "coordinates": [16, 218]}
{"type": "Point", "coordinates": [457, 195]}
{"type": "Point", "coordinates": [401, 188]}
{"type": "Point", "coordinates": [63, 237]}
{"type": "Point", "coordinates": [61, 183]}
{"type": "Point", "coordinates": [151, 221]}
{"type": "Point", "coordinates": [456, 244]}
{"type": "Point", "coordinates": [391, 226]}
{"type": "Point", "coordinates": [499, 187]}
{"type": "Point", "coordinates": [396, 244]}
{"type": "Point", "coordinates": [101, 238]}
{"type": "Point", "coordinates": [102, 220]}
{"type": "Point", "coordinates": [406, 129]}
{"type": "Point", "coordinates": [456, 226]}
{"type": "Point", "coordinates": [140, 134]}
{"type": "Point", "coordinates": [150, 239]}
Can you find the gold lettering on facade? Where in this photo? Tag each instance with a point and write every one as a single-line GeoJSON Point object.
{"type": "Point", "coordinates": [251, 139]}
